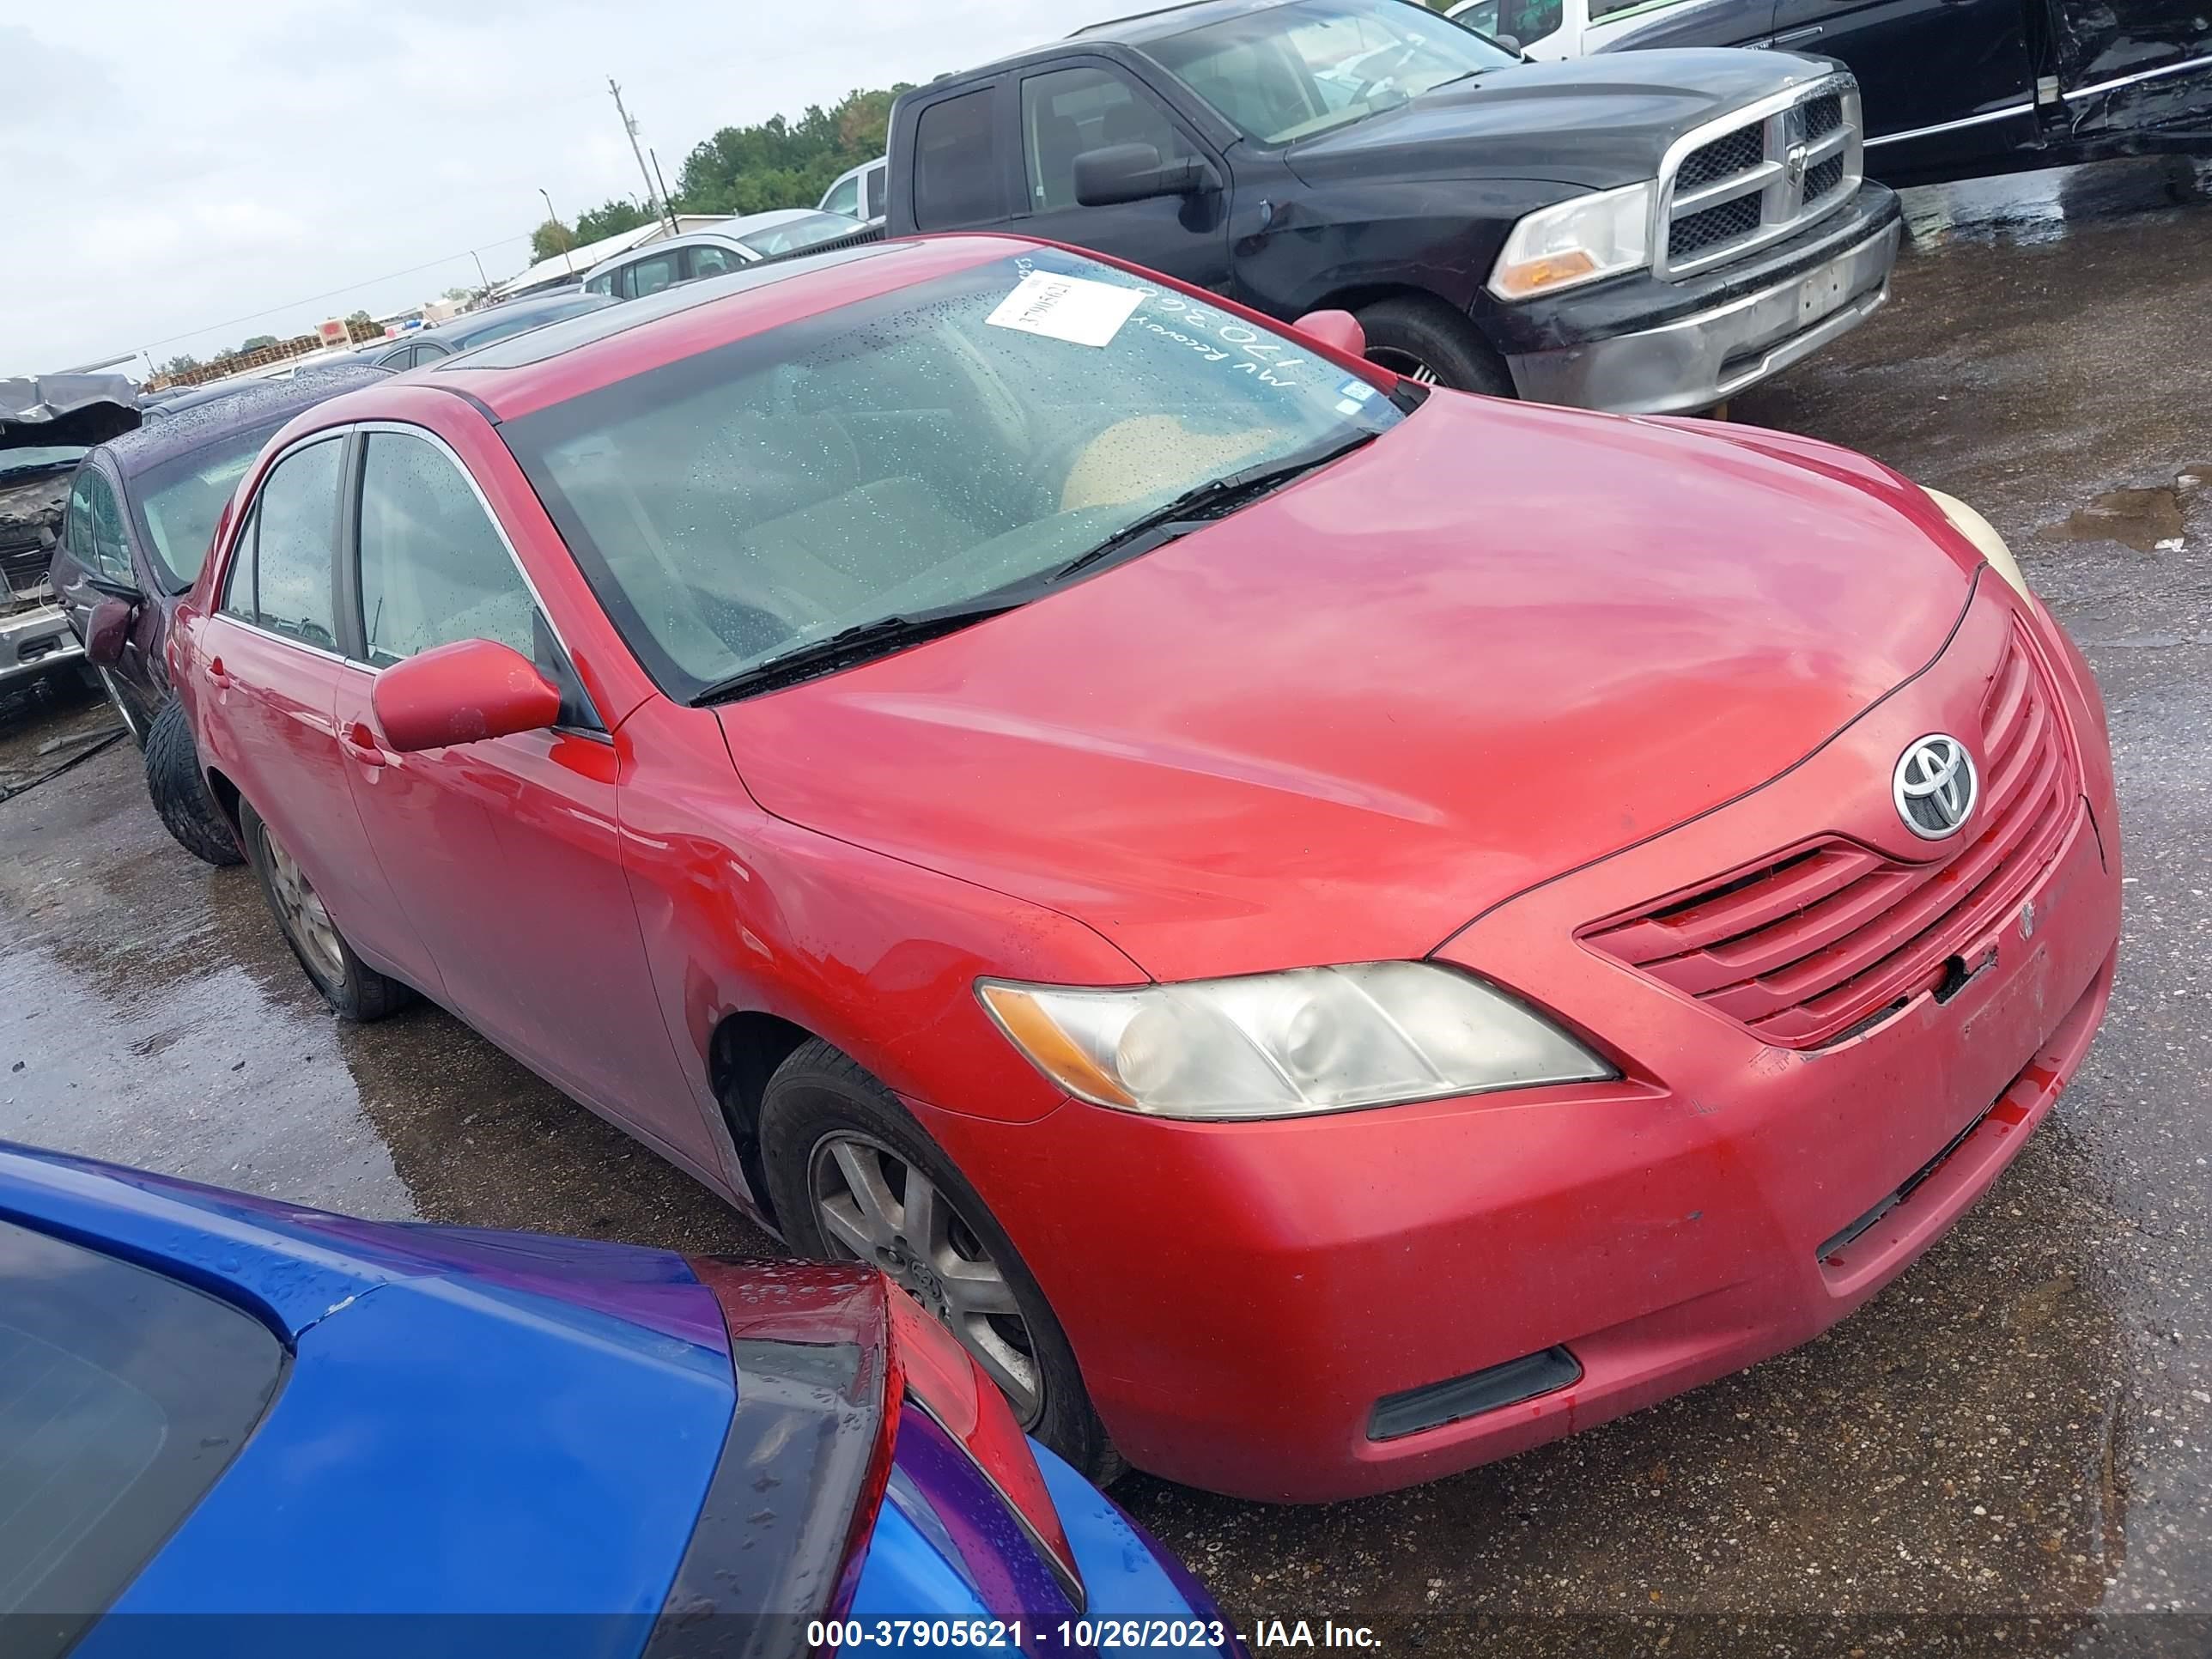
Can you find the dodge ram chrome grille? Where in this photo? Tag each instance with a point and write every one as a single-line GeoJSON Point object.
{"type": "Point", "coordinates": [1758, 174]}
{"type": "Point", "coordinates": [1809, 947]}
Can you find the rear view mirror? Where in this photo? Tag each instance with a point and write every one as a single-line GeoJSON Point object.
{"type": "Point", "coordinates": [1134, 172]}
{"type": "Point", "coordinates": [462, 693]}
{"type": "Point", "coordinates": [1338, 329]}
{"type": "Point", "coordinates": [107, 629]}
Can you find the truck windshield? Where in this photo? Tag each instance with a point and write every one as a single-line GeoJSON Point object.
{"type": "Point", "coordinates": [1287, 72]}
{"type": "Point", "coordinates": [966, 437]}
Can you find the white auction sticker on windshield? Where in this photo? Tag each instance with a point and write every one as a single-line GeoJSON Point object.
{"type": "Point", "coordinates": [1071, 308]}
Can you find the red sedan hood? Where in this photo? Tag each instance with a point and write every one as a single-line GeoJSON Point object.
{"type": "Point", "coordinates": [1498, 643]}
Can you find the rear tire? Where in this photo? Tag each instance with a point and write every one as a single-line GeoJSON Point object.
{"type": "Point", "coordinates": [179, 790]}
{"type": "Point", "coordinates": [823, 1115]}
{"type": "Point", "coordinates": [354, 990]}
{"type": "Point", "coordinates": [1427, 341]}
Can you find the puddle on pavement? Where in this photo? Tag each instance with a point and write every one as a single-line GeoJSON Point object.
{"type": "Point", "coordinates": [2150, 520]}
{"type": "Point", "coordinates": [2024, 210]}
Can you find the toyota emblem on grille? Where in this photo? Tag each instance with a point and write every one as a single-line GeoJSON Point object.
{"type": "Point", "coordinates": [1935, 786]}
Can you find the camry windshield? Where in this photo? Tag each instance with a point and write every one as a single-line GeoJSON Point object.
{"type": "Point", "coordinates": [180, 501]}
{"type": "Point", "coordinates": [986, 433]}
{"type": "Point", "coordinates": [1287, 72]}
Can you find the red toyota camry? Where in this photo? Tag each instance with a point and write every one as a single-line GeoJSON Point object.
{"type": "Point", "coordinates": [1330, 931]}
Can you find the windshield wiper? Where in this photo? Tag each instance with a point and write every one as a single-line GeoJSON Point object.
{"type": "Point", "coordinates": [1203, 503]}
{"type": "Point", "coordinates": [850, 645]}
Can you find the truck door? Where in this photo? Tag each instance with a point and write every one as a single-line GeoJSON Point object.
{"type": "Point", "coordinates": [1944, 83]}
{"type": "Point", "coordinates": [1066, 112]}
{"type": "Point", "coordinates": [2142, 44]}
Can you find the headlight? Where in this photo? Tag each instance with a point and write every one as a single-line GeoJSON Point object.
{"type": "Point", "coordinates": [1279, 1045]}
{"type": "Point", "coordinates": [1984, 535]}
{"type": "Point", "coordinates": [1576, 242]}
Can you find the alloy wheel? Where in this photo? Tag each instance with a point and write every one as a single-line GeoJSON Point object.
{"type": "Point", "coordinates": [1403, 364]}
{"type": "Point", "coordinates": [300, 911]}
{"type": "Point", "coordinates": [874, 1206]}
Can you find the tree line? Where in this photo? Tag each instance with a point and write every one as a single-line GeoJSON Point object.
{"type": "Point", "coordinates": [777, 163]}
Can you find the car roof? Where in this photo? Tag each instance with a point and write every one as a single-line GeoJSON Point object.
{"type": "Point", "coordinates": [180, 431]}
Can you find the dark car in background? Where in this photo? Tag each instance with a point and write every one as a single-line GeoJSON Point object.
{"type": "Point", "coordinates": [1956, 88]}
{"type": "Point", "coordinates": [46, 426]}
{"type": "Point", "coordinates": [139, 513]}
{"type": "Point", "coordinates": [476, 328]}
{"type": "Point", "coordinates": [1601, 235]}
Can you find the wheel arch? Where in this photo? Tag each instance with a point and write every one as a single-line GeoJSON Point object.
{"type": "Point", "coordinates": [743, 1053]}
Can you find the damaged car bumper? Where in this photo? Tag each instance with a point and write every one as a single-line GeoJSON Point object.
{"type": "Point", "coordinates": [35, 639]}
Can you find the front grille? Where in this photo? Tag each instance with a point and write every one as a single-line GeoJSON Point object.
{"type": "Point", "coordinates": [1715, 225]}
{"type": "Point", "coordinates": [1816, 944]}
{"type": "Point", "coordinates": [1738, 152]}
{"type": "Point", "coordinates": [1766, 172]}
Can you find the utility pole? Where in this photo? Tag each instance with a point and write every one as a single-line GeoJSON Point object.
{"type": "Point", "coordinates": [630, 128]}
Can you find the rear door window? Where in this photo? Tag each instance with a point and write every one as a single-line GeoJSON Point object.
{"type": "Point", "coordinates": [123, 1396]}
{"type": "Point", "coordinates": [957, 170]}
{"type": "Point", "coordinates": [650, 276]}
{"type": "Point", "coordinates": [296, 545]}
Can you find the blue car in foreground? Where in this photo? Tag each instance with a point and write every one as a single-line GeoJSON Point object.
{"type": "Point", "coordinates": [234, 1426]}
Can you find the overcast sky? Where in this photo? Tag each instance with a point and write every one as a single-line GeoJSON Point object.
{"type": "Point", "coordinates": [174, 177]}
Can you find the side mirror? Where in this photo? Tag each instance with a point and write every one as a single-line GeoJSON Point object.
{"type": "Point", "coordinates": [1134, 172]}
{"type": "Point", "coordinates": [1338, 329]}
{"type": "Point", "coordinates": [464, 692]}
{"type": "Point", "coordinates": [107, 629]}
{"type": "Point", "coordinates": [1510, 42]}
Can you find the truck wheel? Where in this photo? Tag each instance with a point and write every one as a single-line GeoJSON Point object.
{"type": "Point", "coordinates": [1427, 341]}
{"type": "Point", "coordinates": [855, 1179]}
{"type": "Point", "coordinates": [180, 791]}
{"type": "Point", "coordinates": [354, 990]}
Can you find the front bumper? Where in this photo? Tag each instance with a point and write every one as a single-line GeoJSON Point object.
{"type": "Point", "coordinates": [1705, 358]}
{"type": "Point", "coordinates": [1241, 1297]}
{"type": "Point", "coordinates": [33, 641]}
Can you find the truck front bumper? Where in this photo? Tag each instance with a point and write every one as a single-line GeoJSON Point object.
{"type": "Point", "coordinates": [35, 640]}
{"type": "Point", "coordinates": [1706, 358]}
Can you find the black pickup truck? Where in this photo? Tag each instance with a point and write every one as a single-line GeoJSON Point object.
{"type": "Point", "coordinates": [1650, 234]}
{"type": "Point", "coordinates": [1959, 88]}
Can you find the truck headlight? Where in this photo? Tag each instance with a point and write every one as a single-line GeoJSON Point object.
{"type": "Point", "coordinates": [1575, 242]}
{"type": "Point", "coordinates": [1282, 1045]}
{"type": "Point", "coordinates": [1984, 535]}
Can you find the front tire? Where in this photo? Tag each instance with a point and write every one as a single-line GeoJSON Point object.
{"type": "Point", "coordinates": [1427, 341]}
{"type": "Point", "coordinates": [354, 990]}
{"type": "Point", "coordinates": [179, 790]}
{"type": "Point", "coordinates": [854, 1178]}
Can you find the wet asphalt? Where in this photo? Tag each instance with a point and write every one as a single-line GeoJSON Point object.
{"type": "Point", "coordinates": [2009, 1451]}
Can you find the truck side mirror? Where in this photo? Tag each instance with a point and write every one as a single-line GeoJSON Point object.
{"type": "Point", "coordinates": [1134, 172]}
{"type": "Point", "coordinates": [1510, 42]}
{"type": "Point", "coordinates": [1338, 329]}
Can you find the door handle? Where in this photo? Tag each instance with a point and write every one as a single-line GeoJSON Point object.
{"type": "Point", "coordinates": [363, 745]}
{"type": "Point", "coordinates": [1791, 37]}
{"type": "Point", "coordinates": [217, 673]}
